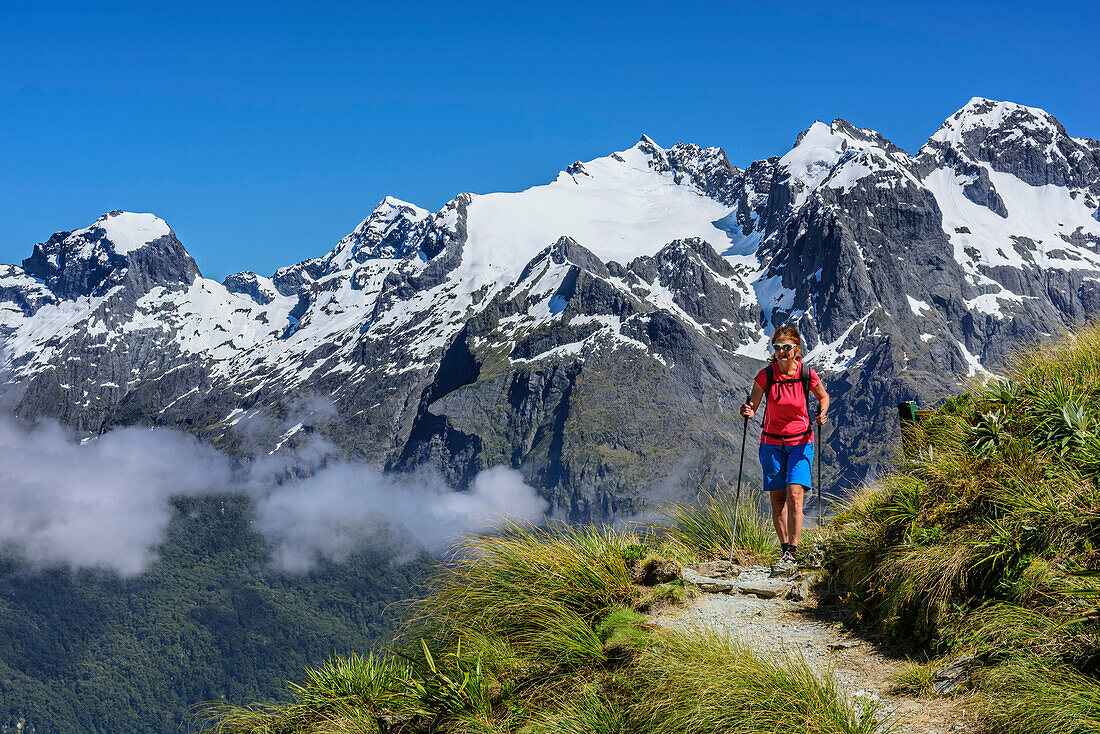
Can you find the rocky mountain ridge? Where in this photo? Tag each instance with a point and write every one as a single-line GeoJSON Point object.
{"type": "Point", "coordinates": [598, 332]}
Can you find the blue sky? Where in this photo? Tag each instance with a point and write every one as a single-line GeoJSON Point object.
{"type": "Point", "coordinates": [264, 132]}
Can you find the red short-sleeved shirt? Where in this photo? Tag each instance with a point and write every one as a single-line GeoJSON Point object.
{"type": "Point", "coordinates": [786, 413]}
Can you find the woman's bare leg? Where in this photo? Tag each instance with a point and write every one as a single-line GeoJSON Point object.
{"type": "Point", "coordinates": [780, 514]}
{"type": "Point", "coordinates": [793, 514]}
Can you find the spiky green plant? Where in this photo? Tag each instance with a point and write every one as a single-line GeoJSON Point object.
{"type": "Point", "coordinates": [989, 432]}
{"type": "Point", "coordinates": [348, 691]}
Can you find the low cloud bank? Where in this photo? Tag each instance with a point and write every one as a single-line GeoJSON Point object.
{"type": "Point", "coordinates": [104, 503]}
{"type": "Point", "coordinates": [342, 508]}
{"type": "Point", "coordinates": [98, 504]}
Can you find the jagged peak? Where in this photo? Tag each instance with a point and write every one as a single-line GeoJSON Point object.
{"type": "Point", "coordinates": [649, 147]}
{"type": "Point", "coordinates": [816, 129]}
{"type": "Point", "coordinates": [576, 168]}
{"type": "Point", "coordinates": [390, 230]}
{"type": "Point", "coordinates": [979, 106]}
{"type": "Point", "coordinates": [649, 152]}
{"type": "Point", "coordinates": [991, 114]}
{"type": "Point", "coordinates": [686, 245]}
{"type": "Point", "coordinates": [708, 169]}
{"type": "Point", "coordinates": [566, 250]}
{"type": "Point", "coordinates": [260, 289]}
{"type": "Point", "coordinates": [1026, 142]}
{"type": "Point", "coordinates": [866, 136]}
{"type": "Point", "coordinates": [696, 249]}
{"type": "Point", "coordinates": [701, 156]}
{"type": "Point", "coordinates": [392, 203]}
{"type": "Point", "coordinates": [841, 135]}
{"type": "Point", "coordinates": [816, 151]}
{"type": "Point", "coordinates": [838, 154]}
{"type": "Point", "coordinates": [383, 214]}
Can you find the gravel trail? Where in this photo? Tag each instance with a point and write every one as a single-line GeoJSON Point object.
{"type": "Point", "coordinates": [778, 626]}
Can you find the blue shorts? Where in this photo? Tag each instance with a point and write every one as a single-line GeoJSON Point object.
{"type": "Point", "coordinates": [785, 465]}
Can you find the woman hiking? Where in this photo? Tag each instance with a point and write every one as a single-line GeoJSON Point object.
{"type": "Point", "coordinates": [787, 437]}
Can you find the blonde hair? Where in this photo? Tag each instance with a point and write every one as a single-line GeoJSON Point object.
{"type": "Point", "coordinates": [790, 333]}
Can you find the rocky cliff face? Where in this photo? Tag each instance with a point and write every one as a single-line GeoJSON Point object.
{"type": "Point", "coordinates": [598, 332]}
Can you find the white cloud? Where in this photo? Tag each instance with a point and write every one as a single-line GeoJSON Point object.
{"type": "Point", "coordinates": [345, 507]}
{"type": "Point", "coordinates": [104, 503]}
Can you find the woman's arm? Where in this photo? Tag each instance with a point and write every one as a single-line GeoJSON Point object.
{"type": "Point", "coordinates": [822, 402]}
{"type": "Point", "coordinates": [749, 409]}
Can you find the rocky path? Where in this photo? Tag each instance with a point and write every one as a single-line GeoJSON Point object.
{"type": "Point", "coordinates": [771, 616]}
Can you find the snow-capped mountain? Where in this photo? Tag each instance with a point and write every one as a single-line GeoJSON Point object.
{"type": "Point", "coordinates": [598, 332]}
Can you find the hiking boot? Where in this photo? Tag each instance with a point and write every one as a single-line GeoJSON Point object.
{"type": "Point", "coordinates": [785, 566]}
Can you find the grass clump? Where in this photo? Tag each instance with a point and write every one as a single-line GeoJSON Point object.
{"type": "Point", "coordinates": [623, 629]}
{"type": "Point", "coordinates": [1031, 696]}
{"type": "Point", "coordinates": [699, 681]}
{"type": "Point", "coordinates": [587, 709]}
{"type": "Point", "coordinates": [917, 679]}
{"type": "Point", "coordinates": [491, 578]}
{"type": "Point", "coordinates": [348, 693]}
{"type": "Point", "coordinates": [706, 525]}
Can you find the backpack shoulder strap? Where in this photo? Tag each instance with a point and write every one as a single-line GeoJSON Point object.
{"type": "Point", "coordinates": [804, 376]}
{"type": "Point", "coordinates": [769, 380]}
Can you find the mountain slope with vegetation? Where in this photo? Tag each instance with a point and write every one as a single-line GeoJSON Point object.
{"type": "Point", "coordinates": [983, 542]}
{"type": "Point", "coordinates": [211, 620]}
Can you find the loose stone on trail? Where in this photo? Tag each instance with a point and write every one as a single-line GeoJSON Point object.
{"type": "Point", "coordinates": [954, 675]}
{"type": "Point", "coordinates": [716, 569]}
{"type": "Point", "coordinates": [708, 584]}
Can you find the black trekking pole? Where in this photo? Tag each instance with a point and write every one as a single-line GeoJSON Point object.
{"type": "Point", "coordinates": [818, 452]}
{"type": "Point", "coordinates": [737, 504]}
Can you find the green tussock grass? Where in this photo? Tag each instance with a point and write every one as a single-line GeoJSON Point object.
{"type": "Point", "coordinates": [586, 709]}
{"type": "Point", "coordinates": [1032, 696]}
{"type": "Point", "coordinates": [980, 539]}
{"type": "Point", "coordinates": [541, 589]}
{"type": "Point", "coordinates": [706, 524]}
{"type": "Point", "coordinates": [537, 629]}
{"type": "Point", "coordinates": [623, 629]}
{"type": "Point", "coordinates": [699, 681]}
{"type": "Point", "coordinates": [347, 693]}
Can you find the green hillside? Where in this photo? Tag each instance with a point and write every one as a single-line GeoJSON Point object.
{"type": "Point", "coordinates": [982, 543]}
{"type": "Point", "coordinates": [211, 620]}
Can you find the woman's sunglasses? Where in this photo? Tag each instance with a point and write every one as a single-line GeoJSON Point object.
{"type": "Point", "coordinates": [783, 347]}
